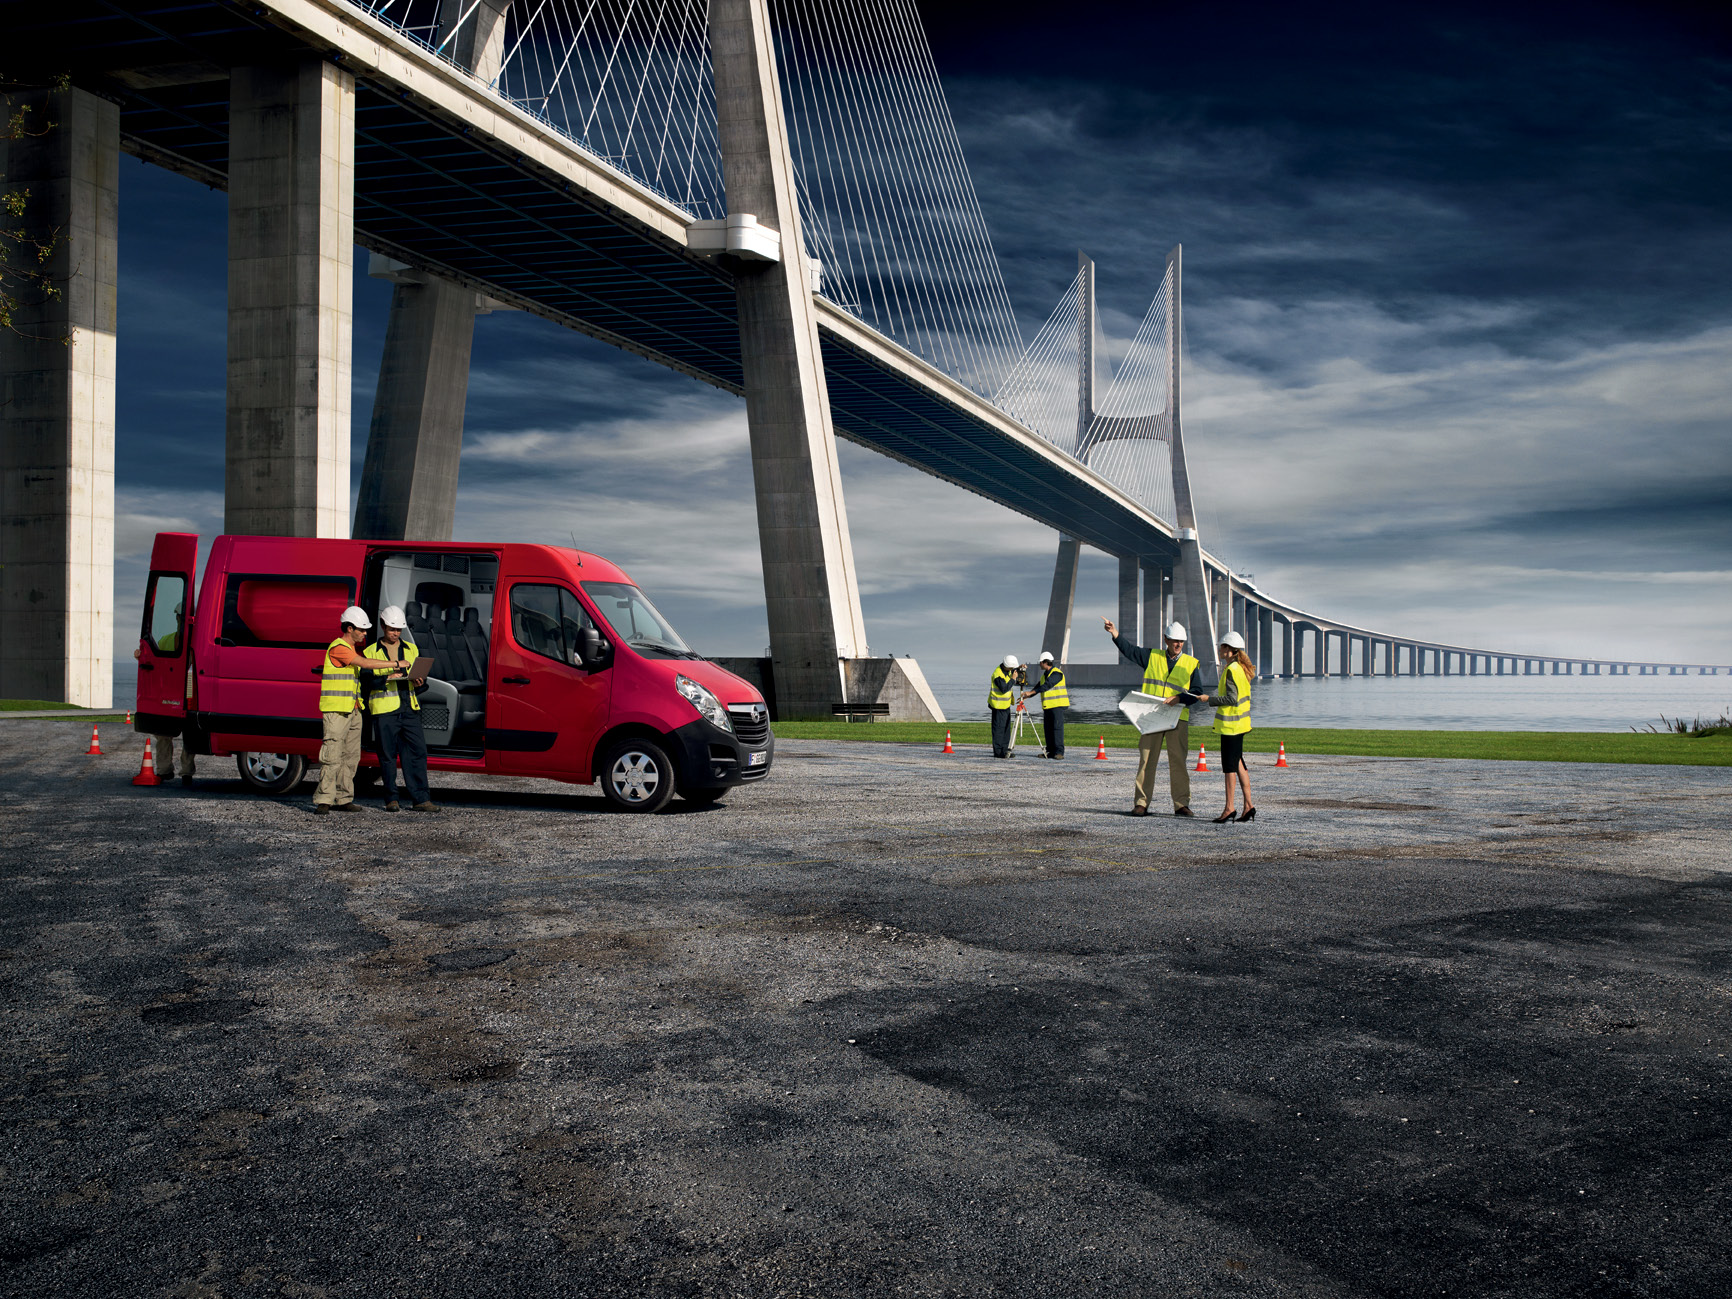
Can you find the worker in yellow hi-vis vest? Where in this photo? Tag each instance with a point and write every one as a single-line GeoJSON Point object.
{"type": "Point", "coordinates": [1000, 703]}
{"type": "Point", "coordinates": [396, 713]}
{"type": "Point", "coordinates": [340, 712]}
{"type": "Point", "coordinates": [1233, 720]}
{"type": "Point", "coordinates": [1167, 673]}
{"type": "Point", "coordinates": [1054, 703]}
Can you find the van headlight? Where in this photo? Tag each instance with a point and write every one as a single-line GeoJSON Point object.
{"type": "Point", "coordinates": [705, 702]}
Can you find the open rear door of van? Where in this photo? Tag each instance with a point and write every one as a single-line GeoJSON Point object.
{"type": "Point", "coordinates": [163, 641]}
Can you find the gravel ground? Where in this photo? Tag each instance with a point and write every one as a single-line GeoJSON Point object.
{"type": "Point", "coordinates": [892, 1023]}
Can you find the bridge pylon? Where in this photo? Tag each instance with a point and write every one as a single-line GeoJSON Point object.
{"type": "Point", "coordinates": [1190, 582]}
{"type": "Point", "coordinates": [810, 590]}
{"type": "Point", "coordinates": [1191, 593]}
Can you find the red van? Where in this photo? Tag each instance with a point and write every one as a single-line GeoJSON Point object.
{"type": "Point", "coordinates": [546, 662]}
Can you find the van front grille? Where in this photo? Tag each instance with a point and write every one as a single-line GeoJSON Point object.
{"type": "Point", "coordinates": [751, 723]}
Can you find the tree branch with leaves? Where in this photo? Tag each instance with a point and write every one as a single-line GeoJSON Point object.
{"type": "Point", "coordinates": [27, 279]}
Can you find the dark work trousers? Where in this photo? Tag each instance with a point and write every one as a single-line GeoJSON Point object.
{"type": "Point", "coordinates": [1052, 722]}
{"type": "Point", "coordinates": [1002, 724]}
{"type": "Point", "coordinates": [399, 736]}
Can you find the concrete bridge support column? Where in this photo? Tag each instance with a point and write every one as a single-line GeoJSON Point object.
{"type": "Point", "coordinates": [1369, 657]}
{"type": "Point", "coordinates": [1130, 601]}
{"type": "Point", "coordinates": [1154, 604]}
{"type": "Point", "coordinates": [1320, 661]}
{"type": "Point", "coordinates": [1289, 668]}
{"type": "Point", "coordinates": [1062, 604]}
{"type": "Point", "coordinates": [291, 255]}
{"type": "Point", "coordinates": [810, 592]}
{"type": "Point", "coordinates": [57, 408]}
{"type": "Point", "coordinates": [1266, 641]}
{"type": "Point", "coordinates": [409, 478]}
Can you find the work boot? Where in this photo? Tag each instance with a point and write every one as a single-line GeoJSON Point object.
{"type": "Point", "coordinates": [1183, 811]}
{"type": "Point", "coordinates": [428, 806]}
{"type": "Point", "coordinates": [321, 809]}
{"type": "Point", "coordinates": [1139, 810]}
{"type": "Point", "coordinates": [345, 807]}
{"type": "Point", "coordinates": [392, 806]}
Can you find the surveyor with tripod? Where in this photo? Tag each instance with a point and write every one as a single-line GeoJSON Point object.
{"type": "Point", "coordinates": [1001, 703]}
{"type": "Point", "coordinates": [1054, 704]}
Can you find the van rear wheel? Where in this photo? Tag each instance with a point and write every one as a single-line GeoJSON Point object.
{"type": "Point", "coordinates": [271, 773]}
{"type": "Point", "coordinates": [637, 775]}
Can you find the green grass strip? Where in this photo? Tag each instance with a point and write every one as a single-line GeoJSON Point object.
{"type": "Point", "coordinates": [1508, 746]}
{"type": "Point", "coordinates": [31, 705]}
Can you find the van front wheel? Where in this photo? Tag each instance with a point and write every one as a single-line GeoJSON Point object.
{"type": "Point", "coordinates": [271, 773]}
{"type": "Point", "coordinates": [637, 775]}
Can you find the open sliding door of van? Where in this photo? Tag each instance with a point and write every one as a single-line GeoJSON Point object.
{"type": "Point", "coordinates": [164, 639]}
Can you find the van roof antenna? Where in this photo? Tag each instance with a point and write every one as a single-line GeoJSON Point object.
{"type": "Point", "coordinates": [575, 546]}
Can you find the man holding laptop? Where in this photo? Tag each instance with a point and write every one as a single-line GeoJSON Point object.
{"type": "Point", "coordinates": [397, 712]}
{"type": "Point", "coordinates": [1166, 672]}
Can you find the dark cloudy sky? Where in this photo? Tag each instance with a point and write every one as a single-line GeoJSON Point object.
{"type": "Point", "coordinates": [1459, 318]}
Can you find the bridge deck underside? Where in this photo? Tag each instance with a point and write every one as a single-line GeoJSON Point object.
{"type": "Point", "coordinates": [447, 200]}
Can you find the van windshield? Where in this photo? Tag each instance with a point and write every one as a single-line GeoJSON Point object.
{"type": "Point", "coordinates": [633, 619]}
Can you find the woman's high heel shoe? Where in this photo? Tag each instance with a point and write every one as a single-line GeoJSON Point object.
{"type": "Point", "coordinates": [1225, 816]}
{"type": "Point", "coordinates": [1248, 814]}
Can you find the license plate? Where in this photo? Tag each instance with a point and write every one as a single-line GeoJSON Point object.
{"type": "Point", "coordinates": [757, 759]}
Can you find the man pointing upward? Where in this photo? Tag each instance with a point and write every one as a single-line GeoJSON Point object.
{"type": "Point", "coordinates": [1166, 672]}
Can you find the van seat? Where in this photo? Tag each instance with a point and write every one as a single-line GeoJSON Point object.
{"type": "Point", "coordinates": [466, 674]}
{"type": "Point", "coordinates": [475, 637]}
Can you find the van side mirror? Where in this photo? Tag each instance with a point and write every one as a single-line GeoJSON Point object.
{"type": "Point", "coordinates": [592, 650]}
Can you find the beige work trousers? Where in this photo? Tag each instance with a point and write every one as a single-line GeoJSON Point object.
{"type": "Point", "coordinates": [163, 758]}
{"type": "Point", "coordinates": [1177, 742]}
{"type": "Point", "coordinates": [339, 755]}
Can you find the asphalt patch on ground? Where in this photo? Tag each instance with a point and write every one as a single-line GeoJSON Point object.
{"type": "Point", "coordinates": [1411, 1113]}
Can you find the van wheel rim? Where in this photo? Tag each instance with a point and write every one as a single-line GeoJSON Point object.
{"type": "Point", "coordinates": [267, 766]}
{"type": "Point", "coordinates": [635, 777]}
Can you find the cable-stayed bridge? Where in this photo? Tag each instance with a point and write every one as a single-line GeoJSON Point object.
{"type": "Point", "coordinates": [768, 196]}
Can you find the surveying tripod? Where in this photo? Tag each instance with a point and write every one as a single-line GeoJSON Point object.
{"type": "Point", "coordinates": [1023, 719]}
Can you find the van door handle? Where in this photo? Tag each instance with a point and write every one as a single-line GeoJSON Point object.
{"type": "Point", "coordinates": [147, 667]}
{"type": "Point", "coordinates": [514, 681]}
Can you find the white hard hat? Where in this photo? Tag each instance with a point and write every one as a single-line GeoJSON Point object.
{"type": "Point", "coordinates": [356, 616]}
{"type": "Point", "coordinates": [1232, 640]}
{"type": "Point", "coordinates": [1046, 656]}
{"type": "Point", "coordinates": [392, 616]}
{"type": "Point", "coordinates": [1010, 660]}
{"type": "Point", "coordinates": [1176, 631]}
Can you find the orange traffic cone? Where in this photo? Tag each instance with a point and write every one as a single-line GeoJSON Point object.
{"type": "Point", "coordinates": [948, 748]}
{"type": "Point", "coordinates": [1101, 753]}
{"type": "Point", "coordinates": [1202, 758]}
{"type": "Point", "coordinates": [147, 772]}
{"type": "Point", "coordinates": [129, 717]}
{"type": "Point", "coordinates": [1281, 757]}
{"type": "Point", "coordinates": [95, 744]}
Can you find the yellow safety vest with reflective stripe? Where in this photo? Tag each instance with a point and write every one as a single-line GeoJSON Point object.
{"type": "Point", "coordinates": [1163, 683]}
{"type": "Point", "coordinates": [339, 687]}
{"type": "Point", "coordinates": [1000, 694]}
{"type": "Point", "coordinates": [1237, 719]}
{"type": "Point", "coordinates": [384, 696]}
{"type": "Point", "coordinates": [1054, 695]}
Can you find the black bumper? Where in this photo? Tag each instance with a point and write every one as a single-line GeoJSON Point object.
{"type": "Point", "coordinates": [711, 758]}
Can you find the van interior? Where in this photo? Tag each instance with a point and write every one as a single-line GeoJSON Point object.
{"type": "Point", "coordinates": [447, 599]}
